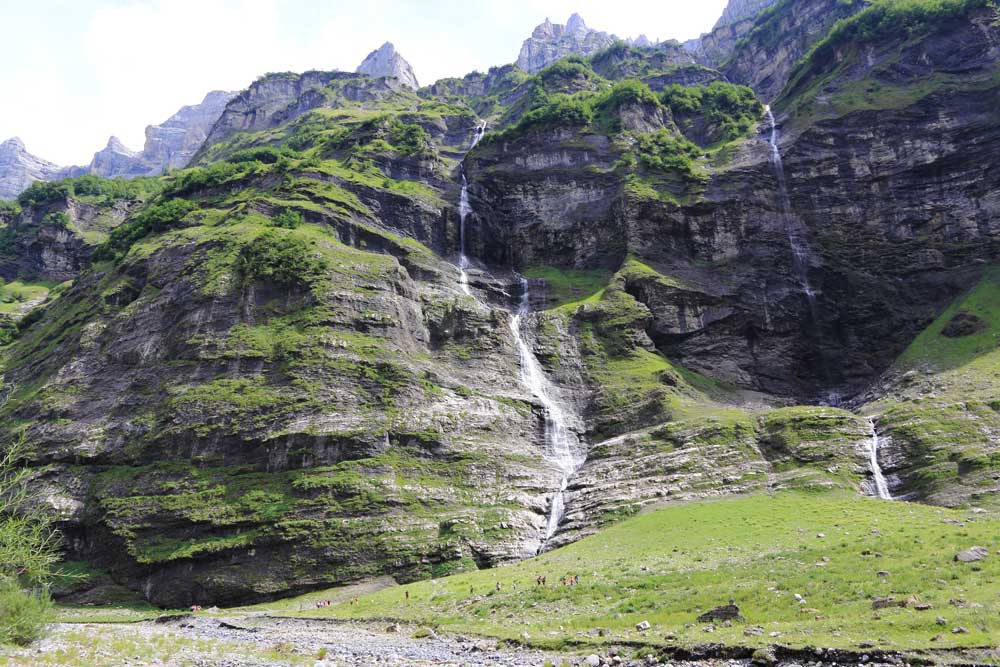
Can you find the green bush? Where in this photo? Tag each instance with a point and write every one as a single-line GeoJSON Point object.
{"type": "Point", "coordinates": [156, 218]}
{"type": "Point", "coordinates": [668, 153]}
{"type": "Point", "coordinates": [108, 189]}
{"type": "Point", "coordinates": [203, 178]}
{"type": "Point", "coordinates": [280, 259]}
{"type": "Point", "coordinates": [730, 110]}
{"type": "Point", "coordinates": [9, 210]}
{"type": "Point", "coordinates": [56, 219]}
{"type": "Point", "coordinates": [23, 614]}
{"type": "Point", "coordinates": [28, 551]}
{"type": "Point", "coordinates": [264, 154]}
{"type": "Point", "coordinates": [43, 193]}
{"type": "Point", "coordinates": [287, 219]}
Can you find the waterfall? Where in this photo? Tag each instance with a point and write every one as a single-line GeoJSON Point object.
{"type": "Point", "coordinates": [800, 250]}
{"type": "Point", "coordinates": [561, 443]}
{"type": "Point", "coordinates": [881, 485]}
{"type": "Point", "coordinates": [464, 209]}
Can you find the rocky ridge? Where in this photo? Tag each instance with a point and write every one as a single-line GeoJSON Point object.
{"type": "Point", "coordinates": [170, 145]}
{"type": "Point", "coordinates": [550, 42]}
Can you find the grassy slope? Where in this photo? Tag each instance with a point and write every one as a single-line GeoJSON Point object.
{"type": "Point", "coordinates": [669, 565]}
{"type": "Point", "coordinates": [942, 407]}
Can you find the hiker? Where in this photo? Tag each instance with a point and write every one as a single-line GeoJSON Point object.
{"type": "Point", "coordinates": [498, 587]}
{"type": "Point", "coordinates": [407, 595]}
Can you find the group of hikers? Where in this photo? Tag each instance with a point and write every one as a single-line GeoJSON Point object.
{"type": "Point", "coordinates": [540, 580]}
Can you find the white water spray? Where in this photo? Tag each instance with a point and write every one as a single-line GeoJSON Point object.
{"type": "Point", "coordinates": [881, 485]}
{"type": "Point", "coordinates": [464, 209]}
{"type": "Point", "coordinates": [561, 442]}
{"type": "Point", "coordinates": [800, 250]}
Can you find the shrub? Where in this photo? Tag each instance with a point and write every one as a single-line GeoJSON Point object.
{"type": "Point", "coordinates": [9, 210]}
{"type": "Point", "coordinates": [731, 111]}
{"type": "Point", "coordinates": [264, 154]}
{"type": "Point", "coordinates": [665, 152]}
{"type": "Point", "coordinates": [280, 259]}
{"type": "Point", "coordinates": [23, 614]}
{"type": "Point", "coordinates": [56, 219]}
{"type": "Point", "coordinates": [287, 219]}
{"type": "Point", "coordinates": [28, 553]}
{"type": "Point", "coordinates": [44, 193]}
{"type": "Point", "coordinates": [629, 92]}
{"type": "Point", "coordinates": [156, 218]}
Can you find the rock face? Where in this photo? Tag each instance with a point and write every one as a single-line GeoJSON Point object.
{"type": "Point", "coordinates": [551, 42]}
{"type": "Point", "coordinates": [19, 169]}
{"type": "Point", "coordinates": [278, 382]}
{"type": "Point", "coordinates": [172, 144]}
{"type": "Point", "coordinates": [117, 161]}
{"type": "Point", "coordinates": [738, 10]}
{"type": "Point", "coordinates": [279, 98]}
{"type": "Point", "coordinates": [386, 61]}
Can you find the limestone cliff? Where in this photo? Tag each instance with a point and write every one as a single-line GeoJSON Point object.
{"type": "Point", "coordinates": [19, 168]}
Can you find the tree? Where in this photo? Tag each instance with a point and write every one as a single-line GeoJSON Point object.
{"type": "Point", "coordinates": [29, 549]}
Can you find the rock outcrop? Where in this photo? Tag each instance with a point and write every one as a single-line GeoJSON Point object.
{"type": "Point", "coordinates": [550, 42]}
{"type": "Point", "coordinates": [386, 61]}
{"type": "Point", "coordinates": [738, 10]}
{"type": "Point", "coordinates": [19, 168]}
{"type": "Point", "coordinates": [172, 144]}
{"type": "Point", "coordinates": [117, 161]}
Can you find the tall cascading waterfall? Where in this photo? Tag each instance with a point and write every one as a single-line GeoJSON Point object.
{"type": "Point", "coordinates": [464, 209]}
{"type": "Point", "coordinates": [800, 250]}
{"type": "Point", "coordinates": [562, 445]}
{"type": "Point", "coordinates": [881, 485]}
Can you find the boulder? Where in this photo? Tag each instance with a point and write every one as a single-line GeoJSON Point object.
{"type": "Point", "coordinates": [972, 555]}
{"type": "Point", "coordinates": [727, 612]}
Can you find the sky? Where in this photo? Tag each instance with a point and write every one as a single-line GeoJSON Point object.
{"type": "Point", "coordinates": [78, 71]}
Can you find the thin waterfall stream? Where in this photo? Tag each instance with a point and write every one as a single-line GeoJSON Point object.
{"type": "Point", "coordinates": [464, 209]}
{"type": "Point", "coordinates": [881, 485]}
{"type": "Point", "coordinates": [801, 255]}
{"type": "Point", "coordinates": [562, 444]}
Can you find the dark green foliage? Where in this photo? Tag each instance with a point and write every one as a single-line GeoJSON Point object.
{"type": "Point", "coordinates": [666, 152]}
{"type": "Point", "coordinates": [280, 259]}
{"type": "Point", "coordinates": [43, 193]}
{"type": "Point", "coordinates": [56, 219]}
{"type": "Point", "coordinates": [728, 111]}
{"type": "Point", "coordinates": [385, 133]}
{"type": "Point", "coordinates": [107, 189]}
{"type": "Point", "coordinates": [9, 210]}
{"type": "Point", "coordinates": [23, 614]}
{"type": "Point", "coordinates": [287, 219]}
{"type": "Point", "coordinates": [156, 218]}
{"type": "Point", "coordinates": [264, 154]}
{"type": "Point", "coordinates": [559, 111]}
{"type": "Point", "coordinates": [203, 178]}
{"type": "Point", "coordinates": [629, 92]}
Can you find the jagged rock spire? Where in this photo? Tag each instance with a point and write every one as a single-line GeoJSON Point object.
{"type": "Point", "coordinates": [386, 61]}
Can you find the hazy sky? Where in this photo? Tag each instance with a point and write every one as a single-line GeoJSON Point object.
{"type": "Point", "coordinates": [77, 71]}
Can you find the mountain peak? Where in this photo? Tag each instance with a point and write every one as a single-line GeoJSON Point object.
{"type": "Point", "coordinates": [387, 61]}
{"type": "Point", "coordinates": [13, 145]}
{"type": "Point", "coordinates": [550, 42]}
{"type": "Point", "coordinates": [576, 25]}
